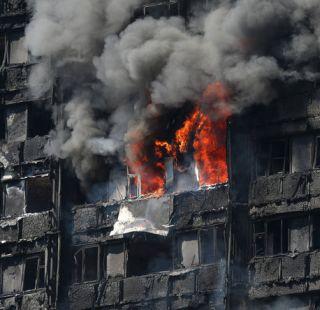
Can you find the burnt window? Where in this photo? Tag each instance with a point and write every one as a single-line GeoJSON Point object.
{"type": "Point", "coordinates": [187, 250]}
{"type": "Point", "coordinates": [16, 123]}
{"type": "Point", "coordinates": [298, 234]}
{"type": "Point", "coordinates": [317, 153]}
{"type": "Point", "coordinates": [34, 273]}
{"type": "Point", "coordinates": [272, 157]}
{"type": "Point", "coordinates": [86, 264]}
{"type": "Point", "coordinates": [2, 123]}
{"type": "Point", "coordinates": [163, 9]}
{"type": "Point", "coordinates": [39, 120]}
{"type": "Point", "coordinates": [316, 231]}
{"type": "Point", "coordinates": [114, 259]}
{"type": "Point", "coordinates": [11, 276]}
{"type": "Point", "coordinates": [212, 245]}
{"type": "Point", "coordinates": [38, 194]}
{"type": "Point", "coordinates": [13, 199]}
{"type": "Point", "coordinates": [271, 237]}
{"type": "Point", "coordinates": [2, 50]}
{"type": "Point", "coordinates": [134, 185]}
{"type": "Point", "coordinates": [18, 53]}
{"type": "Point", "coordinates": [148, 254]}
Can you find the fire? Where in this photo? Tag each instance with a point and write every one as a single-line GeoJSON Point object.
{"type": "Point", "coordinates": [204, 130]}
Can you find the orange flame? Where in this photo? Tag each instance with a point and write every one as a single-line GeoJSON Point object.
{"type": "Point", "coordinates": [204, 130]}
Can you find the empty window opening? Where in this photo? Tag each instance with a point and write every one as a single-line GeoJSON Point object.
{"type": "Point", "coordinates": [18, 53]}
{"type": "Point", "coordinates": [115, 255]}
{"type": "Point", "coordinates": [38, 194]}
{"type": "Point", "coordinates": [212, 245]}
{"type": "Point", "coordinates": [163, 9]}
{"type": "Point", "coordinates": [272, 157]}
{"type": "Point", "coordinates": [134, 185]}
{"type": "Point", "coordinates": [39, 120]}
{"type": "Point", "coordinates": [11, 278]}
{"type": "Point", "coordinates": [14, 199]}
{"type": "Point", "coordinates": [188, 250]}
{"type": "Point", "coordinates": [2, 123]}
{"type": "Point", "coordinates": [148, 256]}
{"type": "Point", "coordinates": [86, 265]}
{"type": "Point", "coordinates": [316, 231]}
{"type": "Point", "coordinates": [317, 153]}
{"type": "Point", "coordinates": [2, 51]}
{"type": "Point", "coordinates": [34, 273]}
{"type": "Point", "coordinates": [298, 234]}
{"type": "Point", "coordinates": [16, 123]}
{"type": "Point", "coordinates": [271, 238]}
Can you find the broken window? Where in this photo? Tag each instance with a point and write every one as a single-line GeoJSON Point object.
{"type": "Point", "coordinates": [39, 120]}
{"type": "Point", "coordinates": [298, 234]}
{"type": "Point", "coordinates": [271, 238]}
{"type": "Point", "coordinates": [188, 249]}
{"type": "Point", "coordinates": [272, 157]}
{"type": "Point", "coordinates": [301, 153]}
{"type": "Point", "coordinates": [134, 185]}
{"type": "Point", "coordinates": [11, 278]}
{"type": "Point", "coordinates": [115, 254]}
{"type": "Point", "coordinates": [163, 9]}
{"type": "Point", "coordinates": [316, 231]}
{"type": "Point", "coordinates": [34, 273]}
{"type": "Point", "coordinates": [148, 256]}
{"type": "Point", "coordinates": [38, 194]}
{"type": "Point", "coordinates": [16, 123]}
{"type": "Point", "coordinates": [2, 50]}
{"type": "Point", "coordinates": [317, 153]}
{"type": "Point", "coordinates": [212, 245]}
{"type": "Point", "coordinates": [14, 199]}
{"type": "Point", "coordinates": [86, 264]}
{"type": "Point", "coordinates": [18, 53]}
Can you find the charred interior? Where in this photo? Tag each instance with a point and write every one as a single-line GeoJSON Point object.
{"type": "Point", "coordinates": [198, 192]}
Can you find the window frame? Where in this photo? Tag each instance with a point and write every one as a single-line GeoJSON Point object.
{"type": "Point", "coordinates": [39, 267]}
{"type": "Point", "coordinates": [83, 269]}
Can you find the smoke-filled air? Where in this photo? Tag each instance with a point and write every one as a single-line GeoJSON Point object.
{"type": "Point", "coordinates": [135, 91]}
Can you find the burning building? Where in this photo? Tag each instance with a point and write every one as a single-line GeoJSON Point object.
{"type": "Point", "coordinates": [159, 154]}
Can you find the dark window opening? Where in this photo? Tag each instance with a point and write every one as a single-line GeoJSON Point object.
{"type": "Point", "coordinates": [34, 273]}
{"type": "Point", "coordinates": [317, 153]}
{"type": "Point", "coordinates": [2, 124]}
{"type": "Point", "coordinates": [2, 50]}
{"type": "Point", "coordinates": [316, 231]}
{"type": "Point", "coordinates": [39, 120]}
{"type": "Point", "coordinates": [212, 245]}
{"type": "Point", "coordinates": [272, 157]}
{"type": "Point", "coordinates": [163, 9]}
{"type": "Point", "coordinates": [86, 265]}
{"type": "Point", "coordinates": [271, 238]}
{"type": "Point", "coordinates": [148, 256]}
{"type": "Point", "coordinates": [134, 185]}
{"type": "Point", "coordinates": [38, 194]}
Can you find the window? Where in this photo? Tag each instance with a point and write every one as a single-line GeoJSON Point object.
{"type": "Point", "coordinates": [11, 277]}
{"type": "Point", "coordinates": [316, 231]}
{"type": "Point", "coordinates": [298, 235]}
{"type": "Point", "coordinates": [16, 123]}
{"type": "Point", "coordinates": [317, 153]}
{"type": "Point", "coordinates": [39, 120]}
{"type": "Point", "coordinates": [205, 246]}
{"type": "Point", "coordinates": [34, 273]}
{"type": "Point", "coordinates": [271, 237]}
{"type": "Point", "coordinates": [14, 199]}
{"type": "Point", "coordinates": [163, 9]}
{"type": "Point", "coordinates": [148, 256]}
{"type": "Point", "coordinates": [86, 264]}
{"type": "Point", "coordinates": [134, 185]}
{"type": "Point", "coordinates": [38, 194]}
{"type": "Point", "coordinates": [115, 254]}
{"type": "Point", "coordinates": [301, 153]}
{"type": "Point", "coordinates": [272, 157]}
{"type": "Point", "coordinates": [2, 50]}
{"type": "Point", "coordinates": [18, 52]}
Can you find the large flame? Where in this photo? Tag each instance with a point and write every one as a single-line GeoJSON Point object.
{"type": "Point", "coordinates": [204, 130]}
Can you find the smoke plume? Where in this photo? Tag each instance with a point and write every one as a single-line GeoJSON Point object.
{"type": "Point", "coordinates": [106, 64]}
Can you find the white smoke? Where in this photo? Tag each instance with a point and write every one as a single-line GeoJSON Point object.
{"type": "Point", "coordinates": [105, 63]}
